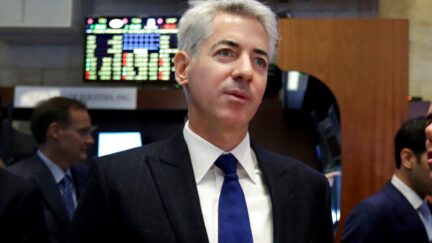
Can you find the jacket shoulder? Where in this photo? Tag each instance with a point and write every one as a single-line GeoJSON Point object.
{"type": "Point", "coordinates": [286, 162]}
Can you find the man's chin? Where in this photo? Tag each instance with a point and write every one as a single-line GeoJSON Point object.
{"type": "Point", "coordinates": [236, 118]}
{"type": "Point", "coordinates": [80, 160]}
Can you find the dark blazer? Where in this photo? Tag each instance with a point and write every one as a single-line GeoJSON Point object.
{"type": "Point", "coordinates": [149, 194]}
{"type": "Point", "coordinates": [384, 217]}
{"type": "Point", "coordinates": [56, 217]}
{"type": "Point", "coordinates": [21, 215]}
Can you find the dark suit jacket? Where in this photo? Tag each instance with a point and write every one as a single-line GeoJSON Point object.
{"type": "Point", "coordinates": [21, 215]}
{"type": "Point", "coordinates": [384, 217]}
{"type": "Point", "coordinates": [56, 217]}
{"type": "Point", "coordinates": [149, 194]}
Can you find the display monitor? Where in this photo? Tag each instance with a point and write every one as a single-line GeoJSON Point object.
{"type": "Point", "coordinates": [112, 142]}
{"type": "Point", "coordinates": [134, 49]}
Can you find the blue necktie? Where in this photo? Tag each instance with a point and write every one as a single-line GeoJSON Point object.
{"type": "Point", "coordinates": [427, 217]}
{"type": "Point", "coordinates": [234, 226]}
{"type": "Point", "coordinates": [66, 190]}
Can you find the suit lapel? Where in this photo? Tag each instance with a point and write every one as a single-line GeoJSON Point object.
{"type": "Point", "coordinates": [80, 176]}
{"type": "Point", "coordinates": [173, 174]}
{"type": "Point", "coordinates": [50, 191]}
{"type": "Point", "coordinates": [286, 199]}
{"type": "Point", "coordinates": [407, 215]}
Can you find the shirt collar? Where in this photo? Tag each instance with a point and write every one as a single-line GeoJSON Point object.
{"type": "Point", "coordinates": [55, 170]}
{"type": "Point", "coordinates": [203, 154]}
{"type": "Point", "coordinates": [408, 193]}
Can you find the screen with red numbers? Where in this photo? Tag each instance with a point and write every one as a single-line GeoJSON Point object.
{"type": "Point", "coordinates": [130, 49]}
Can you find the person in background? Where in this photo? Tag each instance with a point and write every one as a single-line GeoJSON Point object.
{"type": "Point", "coordinates": [209, 183]}
{"type": "Point", "coordinates": [21, 211]}
{"type": "Point", "coordinates": [400, 211]}
{"type": "Point", "coordinates": [62, 128]}
{"type": "Point", "coordinates": [428, 131]}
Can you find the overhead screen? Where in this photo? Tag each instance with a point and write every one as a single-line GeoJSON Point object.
{"type": "Point", "coordinates": [130, 49]}
{"type": "Point", "coordinates": [112, 142]}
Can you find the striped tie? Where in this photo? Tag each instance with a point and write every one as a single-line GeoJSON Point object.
{"type": "Point", "coordinates": [66, 190]}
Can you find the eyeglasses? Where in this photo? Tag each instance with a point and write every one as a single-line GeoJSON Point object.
{"type": "Point", "coordinates": [86, 132]}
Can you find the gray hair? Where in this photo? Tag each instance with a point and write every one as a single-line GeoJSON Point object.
{"type": "Point", "coordinates": [196, 23]}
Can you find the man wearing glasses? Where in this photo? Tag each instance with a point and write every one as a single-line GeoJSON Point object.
{"type": "Point", "coordinates": [62, 128]}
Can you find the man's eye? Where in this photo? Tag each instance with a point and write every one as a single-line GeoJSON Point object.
{"type": "Point", "coordinates": [84, 132]}
{"type": "Point", "coordinates": [261, 62]}
{"type": "Point", "coordinates": [225, 52]}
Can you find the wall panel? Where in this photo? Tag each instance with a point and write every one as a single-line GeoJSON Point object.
{"type": "Point", "coordinates": [365, 64]}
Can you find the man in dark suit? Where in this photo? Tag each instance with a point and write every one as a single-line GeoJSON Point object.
{"type": "Point", "coordinates": [429, 136]}
{"type": "Point", "coordinates": [399, 212]}
{"type": "Point", "coordinates": [21, 211]}
{"type": "Point", "coordinates": [62, 128]}
{"type": "Point", "coordinates": [210, 183]}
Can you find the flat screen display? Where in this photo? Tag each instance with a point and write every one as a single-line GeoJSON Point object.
{"type": "Point", "coordinates": [112, 142]}
{"type": "Point", "coordinates": [130, 49]}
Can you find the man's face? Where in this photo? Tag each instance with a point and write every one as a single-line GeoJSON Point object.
{"type": "Point", "coordinates": [429, 141]}
{"type": "Point", "coordinates": [225, 81]}
{"type": "Point", "coordinates": [422, 175]}
{"type": "Point", "coordinates": [75, 138]}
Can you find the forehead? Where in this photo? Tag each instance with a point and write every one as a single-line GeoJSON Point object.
{"type": "Point", "coordinates": [79, 116]}
{"type": "Point", "coordinates": [242, 29]}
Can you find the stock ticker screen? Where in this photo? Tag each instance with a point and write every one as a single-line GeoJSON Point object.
{"type": "Point", "coordinates": [130, 49]}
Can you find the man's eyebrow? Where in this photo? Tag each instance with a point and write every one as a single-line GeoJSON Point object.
{"type": "Point", "coordinates": [261, 52]}
{"type": "Point", "coordinates": [225, 42]}
{"type": "Point", "coordinates": [236, 45]}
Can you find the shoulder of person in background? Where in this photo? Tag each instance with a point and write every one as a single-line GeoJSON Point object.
{"type": "Point", "coordinates": [21, 210]}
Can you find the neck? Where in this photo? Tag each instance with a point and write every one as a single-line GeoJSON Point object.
{"type": "Point", "coordinates": [407, 181]}
{"type": "Point", "coordinates": [225, 138]}
{"type": "Point", "coordinates": [55, 157]}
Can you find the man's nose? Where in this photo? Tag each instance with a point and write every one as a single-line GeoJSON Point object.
{"type": "Point", "coordinates": [90, 139]}
{"type": "Point", "coordinates": [428, 132]}
{"type": "Point", "coordinates": [243, 70]}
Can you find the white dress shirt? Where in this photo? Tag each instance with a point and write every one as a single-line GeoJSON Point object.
{"type": "Point", "coordinates": [57, 173]}
{"type": "Point", "coordinates": [415, 201]}
{"type": "Point", "coordinates": [209, 180]}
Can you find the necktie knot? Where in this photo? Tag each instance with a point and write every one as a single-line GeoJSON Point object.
{"type": "Point", "coordinates": [66, 181]}
{"type": "Point", "coordinates": [228, 164]}
{"type": "Point", "coordinates": [424, 209]}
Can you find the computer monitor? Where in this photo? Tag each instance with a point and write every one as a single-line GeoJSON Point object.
{"type": "Point", "coordinates": [130, 49]}
{"type": "Point", "coordinates": [112, 142]}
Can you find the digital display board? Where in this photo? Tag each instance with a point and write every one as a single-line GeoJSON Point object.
{"type": "Point", "coordinates": [133, 49]}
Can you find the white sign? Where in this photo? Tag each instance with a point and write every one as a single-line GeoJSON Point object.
{"type": "Point", "coordinates": [120, 98]}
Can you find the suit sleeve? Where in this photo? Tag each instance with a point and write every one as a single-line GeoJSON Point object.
{"type": "Point", "coordinates": [31, 227]}
{"type": "Point", "coordinates": [362, 226]}
{"type": "Point", "coordinates": [23, 220]}
{"type": "Point", "coordinates": [93, 220]}
{"type": "Point", "coordinates": [325, 227]}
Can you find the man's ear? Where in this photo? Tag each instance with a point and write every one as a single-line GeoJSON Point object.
{"type": "Point", "coordinates": [181, 64]}
{"type": "Point", "coordinates": [53, 131]}
{"type": "Point", "coordinates": [408, 158]}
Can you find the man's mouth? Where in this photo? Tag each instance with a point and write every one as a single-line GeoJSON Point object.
{"type": "Point", "coordinates": [239, 94]}
{"type": "Point", "coordinates": [429, 157]}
